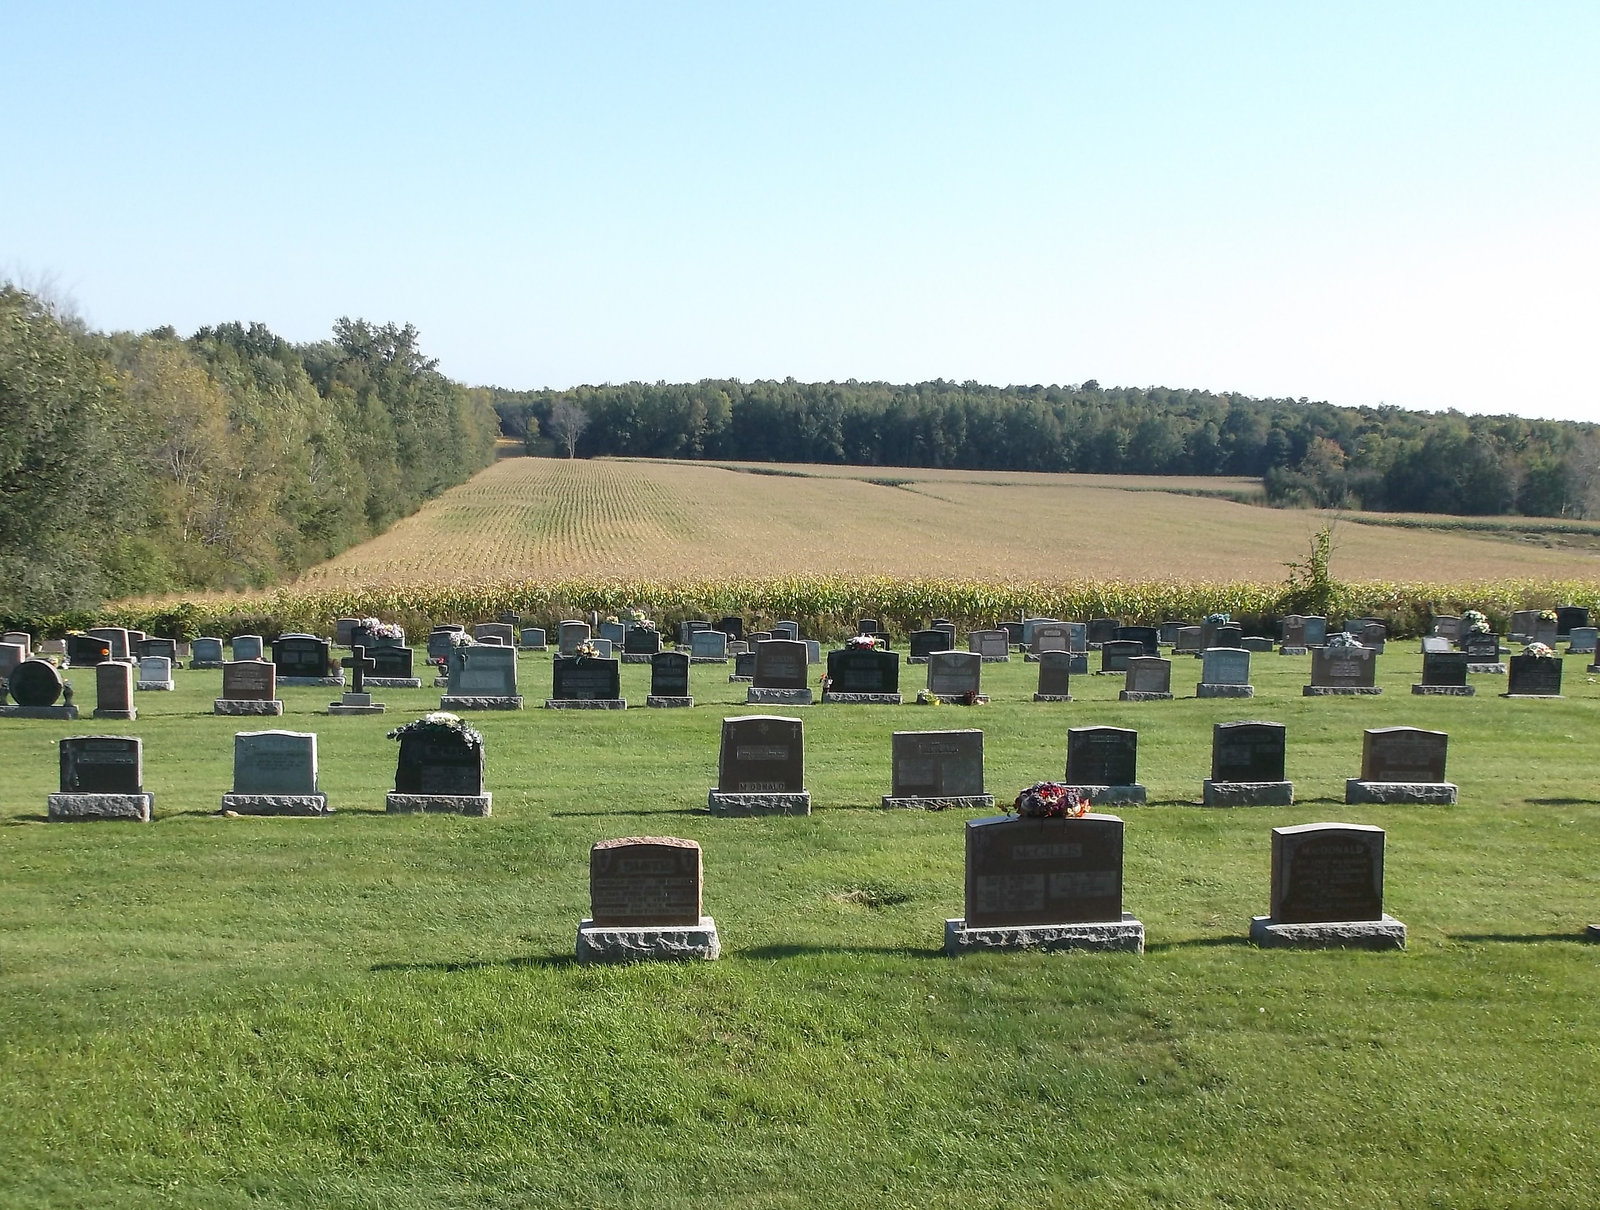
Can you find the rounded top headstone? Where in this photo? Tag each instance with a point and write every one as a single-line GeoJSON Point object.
{"type": "Point", "coordinates": [34, 683]}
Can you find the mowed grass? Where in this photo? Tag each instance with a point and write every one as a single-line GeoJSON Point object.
{"type": "Point", "coordinates": [374, 1011]}
{"type": "Point", "coordinates": [555, 518]}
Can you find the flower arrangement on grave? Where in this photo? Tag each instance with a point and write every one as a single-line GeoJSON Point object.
{"type": "Point", "coordinates": [1051, 800]}
{"type": "Point", "coordinates": [1339, 638]}
{"type": "Point", "coordinates": [925, 698]}
{"type": "Point", "coordinates": [863, 642]}
{"type": "Point", "coordinates": [460, 638]}
{"type": "Point", "coordinates": [585, 651]}
{"type": "Point", "coordinates": [1547, 615]}
{"type": "Point", "coordinates": [1542, 650]}
{"type": "Point", "coordinates": [381, 630]}
{"type": "Point", "coordinates": [1475, 622]}
{"type": "Point", "coordinates": [1219, 619]}
{"type": "Point", "coordinates": [638, 619]}
{"type": "Point", "coordinates": [439, 722]}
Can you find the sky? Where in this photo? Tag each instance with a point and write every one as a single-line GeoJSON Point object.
{"type": "Point", "coordinates": [1359, 202]}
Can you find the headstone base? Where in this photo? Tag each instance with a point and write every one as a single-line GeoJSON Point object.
{"type": "Point", "coordinates": [67, 807]}
{"type": "Point", "coordinates": [735, 678]}
{"type": "Point", "coordinates": [1294, 651]}
{"type": "Point", "coordinates": [332, 682]}
{"type": "Point", "coordinates": [1580, 650]}
{"type": "Point", "coordinates": [1052, 697]}
{"type": "Point", "coordinates": [155, 686]}
{"type": "Point", "coordinates": [441, 682]}
{"type": "Point", "coordinates": [439, 804]}
{"type": "Point", "coordinates": [1444, 690]}
{"type": "Point", "coordinates": [661, 702]}
{"type": "Point", "coordinates": [397, 682]}
{"type": "Point", "coordinates": [951, 699]}
{"type": "Point", "coordinates": [1205, 690]}
{"type": "Point", "coordinates": [1340, 690]}
{"type": "Point", "coordinates": [916, 659]}
{"type": "Point", "coordinates": [212, 664]}
{"type": "Point", "coordinates": [635, 657]}
{"type": "Point", "coordinates": [225, 705]}
{"type": "Point", "coordinates": [123, 715]}
{"type": "Point", "coordinates": [708, 659]}
{"type": "Point", "coordinates": [276, 804]}
{"type": "Point", "coordinates": [1247, 793]}
{"type": "Point", "coordinates": [1136, 695]}
{"type": "Point", "coordinates": [778, 697]}
{"type": "Point", "coordinates": [59, 712]}
{"type": "Point", "coordinates": [1358, 791]}
{"type": "Point", "coordinates": [861, 699]}
{"type": "Point", "coordinates": [1133, 794]}
{"type": "Point", "coordinates": [1385, 934]}
{"type": "Point", "coordinates": [368, 708]}
{"type": "Point", "coordinates": [1252, 642]}
{"type": "Point", "coordinates": [650, 943]}
{"type": "Point", "coordinates": [945, 802]}
{"type": "Point", "coordinates": [1125, 935]}
{"type": "Point", "coordinates": [797, 803]}
{"type": "Point", "coordinates": [585, 703]}
{"type": "Point", "coordinates": [1533, 697]}
{"type": "Point", "coordinates": [997, 659]}
{"type": "Point", "coordinates": [1592, 933]}
{"type": "Point", "coordinates": [480, 703]}
{"type": "Point", "coordinates": [533, 647]}
{"type": "Point", "coordinates": [1500, 669]}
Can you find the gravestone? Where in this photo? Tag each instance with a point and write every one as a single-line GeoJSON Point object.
{"type": "Point", "coordinates": [1102, 631]}
{"type": "Point", "coordinates": [495, 630]}
{"type": "Point", "coordinates": [867, 626]}
{"type": "Point", "coordinates": [1569, 617]}
{"type": "Point", "coordinates": [1316, 630]}
{"type": "Point", "coordinates": [737, 647]}
{"type": "Point", "coordinates": [533, 638]}
{"type": "Point", "coordinates": [167, 648]}
{"type": "Point", "coordinates": [693, 626]}
{"type": "Point", "coordinates": [482, 678]}
{"type": "Point", "coordinates": [602, 648]}
{"type": "Point", "coordinates": [1436, 644]}
{"type": "Point", "coordinates": [11, 654]}
{"type": "Point", "coordinates": [439, 770]}
{"type": "Point", "coordinates": [1104, 762]}
{"type": "Point", "coordinates": [1544, 631]}
{"type": "Point", "coordinates": [1224, 672]}
{"type": "Point", "coordinates": [1045, 884]}
{"type": "Point", "coordinates": [1533, 676]}
{"type": "Point", "coordinates": [937, 770]}
{"type": "Point", "coordinates": [1148, 679]}
{"type": "Point", "coordinates": [1208, 633]}
{"type": "Point", "coordinates": [863, 676]}
{"type": "Point", "coordinates": [1293, 630]}
{"type": "Point", "coordinates": [1055, 669]}
{"type": "Point", "coordinates": [1028, 627]}
{"type": "Point", "coordinates": [1167, 633]}
{"type": "Point", "coordinates": [87, 650]}
{"type": "Point", "coordinates": [813, 651]}
{"type": "Point", "coordinates": [358, 699]}
{"type": "Point", "coordinates": [779, 675]}
{"type": "Point", "coordinates": [1327, 890]}
{"type": "Point", "coordinates": [1226, 636]}
{"type": "Point", "coordinates": [1013, 633]}
{"type": "Point", "coordinates": [613, 632]}
{"type": "Point", "coordinates": [761, 769]}
{"type": "Point", "coordinates": [732, 627]}
{"type": "Point", "coordinates": [1483, 653]}
{"type": "Point", "coordinates": [102, 777]}
{"type": "Point", "coordinates": [155, 673]}
{"type": "Point", "coordinates": [669, 680]}
{"type": "Point", "coordinates": [343, 628]}
{"type": "Point", "coordinates": [1521, 627]}
{"type": "Point", "coordinates": [1342, 671]}
{"type": "Point", "coordinates": [248, 687]}
{"type": "Point", "coordinates": [708, 647]}
{"type": "Point", "coordinates": [645, 903]}
{"type": "Point", "coordinates": [956, 677]}
{"type": "Point", "coordinates": [1188, 640]}
{"type": "Point", "coordinates": [1049, 636]}
{"type": "Point", "coordinates": [756, 637]}
{"type": "Point", "coordinates": [1247, 766]}
{"type": "Point", "coordinates": [570, 635]}
{"type": "Point", "coordinates": [923, 643]}
{"type": "Point", "coordinates": [1581, 640]}
{"type": "Point", "coordinates": [639, 644]}
{"type": "Point", "coordinates": [247, 646]}
{"type": "Point", "coordinates": [786, 630]}
{"type": "Point", "coordinates": [1254, 642]}
{"type": "Point", "coordinates": [744, 666]}
{"type": "Point", "coordinates": [1114, 656]}
{"type": "Point", "coordinates": [302, 659]}
{"type": "Point", "coordinates": [1401, 764]}
{"type": "Point", "coordinates": [35, 687]}
{"type": "Point", "coordinates": [392, 668]}
{"type": "Point", "coordinates": [1149, 636]}
{"type": "Point", "coordinates": [1374, 635]}
{"type": "Point", "coordinates": [585, 682]}
{"type": "Point", "coordinates": [362, 636]}
{"type": "Point", "coordinates": [275, 773]}
{"type": "Point", "coordinates": [113, 691]}
{"type": "Point", "coordinates": [119, 638]}
{"type": "Point", "coordinates": [21, 638]}
{"type": "Point", "coordinates": [992, 646]}
{"type": "Point", "coordinates": [1444, 674]}
{"type": "Point", "coordinates": [1447, 627]}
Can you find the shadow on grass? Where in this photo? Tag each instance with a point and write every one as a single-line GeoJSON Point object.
{"type": "Point", "coordinates": [795, 950]}
{"type": "Point", "coordinates": [1561, 802]}
{"type": "Point", "coordinates": [20, 819]}
{"type": "Point", "coordinates": [1519, 938]}
{"type": "Point", "coordinates": [530, 961]}
{"type": "Point", "coordinates": [635, 811]}
{"type": "Point", "coordinates": [1239, 942]}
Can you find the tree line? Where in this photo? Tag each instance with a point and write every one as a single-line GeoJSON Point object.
{"type": "Point", "coordinates": [146, 462]}
{"type": "Point", "coordinates": [1306, 453]}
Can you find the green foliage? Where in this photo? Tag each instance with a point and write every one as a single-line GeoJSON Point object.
{"type": "Point", "coordinates": [1311, 586]}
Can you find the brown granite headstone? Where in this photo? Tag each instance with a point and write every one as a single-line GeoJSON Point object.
{"type": "Point", "coordinates": [249, 681]}
{"type": "Point", "coordinates": [1327, 872]}
{"type": "Point", "coordinates": [1043, 871]}
{"type": "Point", "coordinates": [645, 880]}
{"type": "Point", "coordinates": [113, 687]}
{"type": "Point", "coordinates": [1403, 754]}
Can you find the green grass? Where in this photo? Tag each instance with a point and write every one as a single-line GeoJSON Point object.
{"type": "Point", "coordinates": [369, 1011]}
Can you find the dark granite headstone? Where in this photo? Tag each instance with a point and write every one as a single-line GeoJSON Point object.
{"type": "Point", "coordinates": [669, 674]}
{"type": "Point", "coordinates": [780, 664]}
{"type": "Point", "coordinates": [1534, 676]}
{"type": "Point", "coordinates": [1327, 872]}
{"type": "Point", "coordinates": [1445, 667]}
{"type": "Point", "coordinates": [1043, 871]}
{"type": "Point", "coordinates": [1114, 655]}
{"type": "Point", "coordinates": [1013, 632]}
{"type": "Point", "coordinates": [937, 764]}
{"type": "Point", "coordinates": [391, 662]}
{"type": "Point", "coordinates": [438, 760]}
{"type": "Point", "coordinates": [102, 764]}
{"type": "Point", "coordinates": [641, 640]}
{"type": "Point", "coordinates": [924, 643]}
{"type": "Point", "coordinates": [854, 670]}
{"type": "Point", "coordinates": [1054, 670]}
{"type": "Point", "coordinates": [1345, 667]}
{"type": "Point", "coordinates": [87, 650]}
{"type": "Point", "coordinates": [646, 881]}
{"type": "Point", "coordinates": [732, 627]}
{"type": "Point", "coordinates": [585, 679]}
{"type": "Point", "coordinates": [1102, 756]}
{"type": "Point", "coordinates": [1481, 648]}
{"type": "Point", "coordinates": [744, 665]}
{"type": "Point", "coordinates": [1103, 630]}
{"type": "Point", "coordinates": [166, 648]}
{"type": "Point", "coordinates": [34, 683]}
{"type": "Point", "coordinates": [1149, 636]}
{"type": "Point", "coordinates": [1568, 616]}
{"type": "Point", "coordinates": [300, 655]}
{"type": "Point", "coordinates": [1403, 754]}
{"type": "Point", "coordinates": [1229, 636]}
{"type": "Point", "coordinates": [1248, 751]}
{"type": "Point", "coordinates": [761, 754]}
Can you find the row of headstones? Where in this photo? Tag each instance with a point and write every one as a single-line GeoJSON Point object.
{"type": "Point", "coordinates": [1029, 884]}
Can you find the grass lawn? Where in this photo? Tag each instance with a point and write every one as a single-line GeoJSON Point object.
{"type": "Point", "coordinates": [375, 1011]}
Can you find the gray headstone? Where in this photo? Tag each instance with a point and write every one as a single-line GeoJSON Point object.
{"type": "Point", "coordinates": [990, 644]}
{"type": "Point", "coordinates": [1054, 670]}
{"type": "Point", "coordinates": [533, 636]}
{"type": "Point", "coordinates": [274, 762]}
{"type": "Point", "coordinates": [498, 630]}
{"type": "Point", "coordinates": [156, 669]}
{"type": "Point", "coordinates": [1344, 666]}
{"type": "Point", "coordinates": [483, 672]}
{"type": "Point", "coordinates": [1115, 654]}
{"type": "Point", "coordinates": [1148, 674]}
{"type": "Point", "coordinates": [1043, 871]}
{"type": "Point", "coordinates": [954, 673]}
{"type": "Point", "coordinates": [937, 764]}
{"type": "Point", "coordinates": [1225, 666]}
{"type": "Point", "coordinates": [1403, 754]}
{"type": "Point", "coordinates": [1050, 636]}
{"type": "Point", "coordinates": [247, 647]}
{"type": "Point", "coordinates": [786, 630]}
{"type": "Point", "coordinates": [571, 635]}
{"type": "Point", "coordinates": [780, 664]}
{"type": "Point", "coordinates": [709, 644]}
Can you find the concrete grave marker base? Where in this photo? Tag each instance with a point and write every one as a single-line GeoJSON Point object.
{"type": "Point", "coordinates": [1134, 695]}
{"type": "Point", "coordinates": [203, 664]}
{"type": "Point", "coordinates": [777, 697]}
{"type": "Point", "coordinates": [1534, 697]}
{"type": "Point", "coordinates": [156, 686]}
{"type": "Point", "coordinates": [735, 678]}
{"type": "Point", "coordinates": [368, 707]}
{"type": "Point", "coordinates": [71, 807]}
{"type": "Point", "coordinates": [533, 647]}
{"type": "Point", "coordinates": [659, 702]}
{"type": "Point", "coordinates": [224, 705]}
{"type": "Point", "coordinates": [1252, 642]}
{"type": "Point", "coordinates": [397, 682]}
{"type": "Point", "coordinates": [1497, 669]}
{"type": "Point", "coordinates": [441, 682]}
{"type": "Point", "coordinates": [480, 703]}
{"type": "Point", "coordinates": [795, 803]}
{"type": "Point", "coordinates": [1205, 690]}
{"type": "Point", "coordinates": [947, 802]}
{"type": "Point", "coordinates": [1385, 934]}
{"type": "Point", "coordinates": [1444, 690]}
{"type": "Point", "coordinates": [1125, 935]}
{"type": "Point", "coordinates": [1340, 690]}
{"type": "Point", "coordinates": [997, 659]}
{"type": "Point", "coordinates": [708, 659]}
{"type": "Point", "coordinates": [332, 682]}
{"type": "Point", "coordinates": [1247, 793]}
{"type": "Point", "coordinates": [590, 703]}
{"type": "Point", "coordinates": [953, 699]}
{"type": "Point", "coordinates": [1294, 651]}
{"type": "Point", "coordinates": [56, 712]}
{"type": "Point", "coordinates": [1358, 791]}
{"type": "Point", "coordinates": [126, 715]}
{"type": "Point", "coordinates": [1053, 697]}
{"type": "Point", "coordinates": [480, 805]}
{"type": "Point", "coordinates": [649, 943]}
{"type": "Point", "coordinates": [1134, 794]}
{"type": "Point", "coordinates": [636, 657]}
{"type": "Point", "coordinates": [861, 699]}
{"type": "Point", "coordinates": [276, 804]}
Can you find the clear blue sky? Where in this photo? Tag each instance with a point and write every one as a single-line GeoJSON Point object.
{"type": "Point", "coordinates": [1353, 202]}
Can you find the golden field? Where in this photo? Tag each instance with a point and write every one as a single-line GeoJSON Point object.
{"type": "Point", "coordinates": [541, 518]}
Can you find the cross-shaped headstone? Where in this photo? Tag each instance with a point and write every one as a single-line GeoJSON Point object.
{"type": "Point", "coordinates": [359, 666]}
